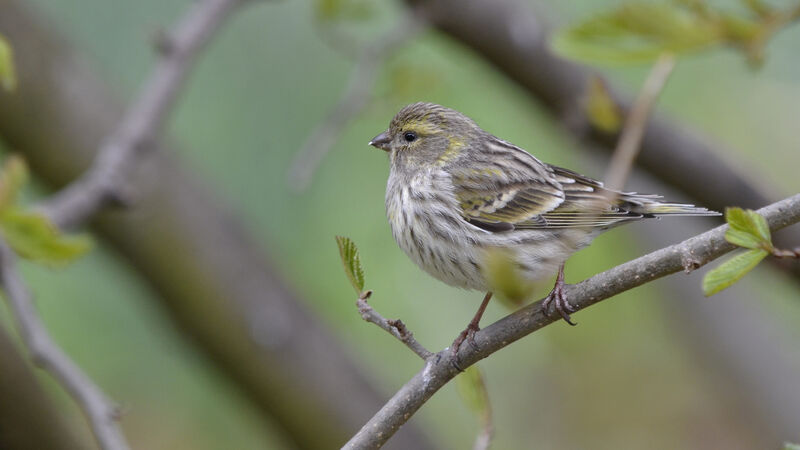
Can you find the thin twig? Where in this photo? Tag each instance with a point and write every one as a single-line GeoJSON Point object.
{"type": "Point", "coordinates": [440, 368]}
{"type": "Point", "coordinates": [630, 138]}
{"type": "Point", "coordinates": [353, 101]}
{"type": "Point", "coordinates": [46, 354]}
{"type": "Point", "coordinates": [394, 327]}
{"type": "Point", "coordinates": [105, 181]}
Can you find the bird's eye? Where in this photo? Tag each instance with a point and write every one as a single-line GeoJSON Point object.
{"type": "Point", "coordinates": [410, 136]}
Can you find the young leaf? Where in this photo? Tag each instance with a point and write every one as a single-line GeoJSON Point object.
{"type": "Point", "coordinates": [602, 111]}
{"type": "Point", "coordinates": [8, 75]}
{"type": "Point", "coordinates": [747, 229]}
{"type": "Point", "coordinates": [33, 237]}
{"type": "Point", "coordinates": [503, 276]}
{"type": "Point", "coordinates": [13, 175]}
{"type": "Point", "coordinates": [351, 262]}
{"type": "Point", "coordinates": [637, 32]}
{"type": "Point", "coordinates": [731, 271]}
{"type": "Point", "coordinates": [472, 389]}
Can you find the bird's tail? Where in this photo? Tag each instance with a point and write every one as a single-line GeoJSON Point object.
{"type": "Point", "coordinates": [650, 205]}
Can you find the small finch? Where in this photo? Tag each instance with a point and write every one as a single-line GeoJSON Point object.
{"type": "Point", "coordinates": [455, 192]}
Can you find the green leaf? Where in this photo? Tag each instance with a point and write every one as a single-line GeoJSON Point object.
{"type": "Point", "coordinates": [504, 278]}
{"type": "Point", "coordinates": [637, 32]}
{"type": "Point", "coordinates": [13, 176]}
{"type": "Point", "coordinates": [351, 262]}
{"type": "Point", "coordinates": [602, 111]}
{"type": "Point", "coordinates": [747, 229]}
{"type": "Point", "coordinates": [472, 389]}
{"type": "Point", "coordinates": [731, 271]}
{"type": "Point", "coordinates": [790, 446]}
{"type": "Point", "coordinates": [8, 75]}
{"type": "Point", "coordinates": [33, 237]}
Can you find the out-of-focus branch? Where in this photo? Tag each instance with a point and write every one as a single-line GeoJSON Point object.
{"type": "Point", "coordinates": [103, 182]}
{"type": "Point", "coordinates": [394, 327]}
{"type": "Point", "coordinates": [45, 353]}
{"type": "Point", "coordinates": [440, 369]}
{"type": "Point", "coordinates": [28, 417]}
{"type": "Point", "coordinates": [354, 99]}
{"type": "Point", "coordinates": [631, 136]}
{"type": "Point", "coordinates": [508, 34]}
{"type": "Point", "coordinates": [106, 181]}
{"type": "Point", "coordinates": [212, 276]}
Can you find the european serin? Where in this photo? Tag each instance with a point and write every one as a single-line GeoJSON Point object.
{"type": "Point", "coordinates": [455, 191]}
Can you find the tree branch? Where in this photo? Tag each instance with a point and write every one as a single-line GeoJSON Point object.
{"type": "Point", "coordinates": [47, 355]}
{"type": "Point", "coordinates": [440, 369]}
{"type": "Point", "coordinates": [105, 181]}
{"type": "Point", "coordinates": [29, 418]}
{"type": "Point", "coordinates": [394, 327]}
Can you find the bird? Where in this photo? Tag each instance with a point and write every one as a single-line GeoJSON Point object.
{"type": "Point", "coordinates": [455, 192]}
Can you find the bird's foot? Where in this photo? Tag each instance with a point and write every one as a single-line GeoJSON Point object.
{"type": "Point", "coordinates": [467, 335]}
{"type": "Point", "coordinates": [557, 300]}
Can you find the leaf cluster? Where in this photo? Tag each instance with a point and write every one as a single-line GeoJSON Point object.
{"type": "Point", "coordinates": [747, 229]}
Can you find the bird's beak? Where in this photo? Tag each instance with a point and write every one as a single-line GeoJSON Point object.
{"type": "Point", "coordinates": [381, 141]}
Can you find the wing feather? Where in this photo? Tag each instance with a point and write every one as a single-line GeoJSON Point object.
{"type": "Point", "coordinates": [507, 188]}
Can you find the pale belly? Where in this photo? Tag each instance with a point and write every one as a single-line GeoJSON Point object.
{"type": "Point", "coordinates": [453, 251]}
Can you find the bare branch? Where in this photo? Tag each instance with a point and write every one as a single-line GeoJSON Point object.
{"type": "Point", "coordinates": [46, 354]}
{"type": "Point", "coordinates": [630, 138]}
{"type": "Point", "coordinates": [105, 181]}
{"type": "Point", "coordinates": [394, 327]}
{"type": "Point", "coordinates": [440, 368]}
{"type": "Point", "coordinates": [354, 100]}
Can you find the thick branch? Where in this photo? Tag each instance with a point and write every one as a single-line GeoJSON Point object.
{"type": "Point", "coordinates": [46, 354]}
{"type": "Point", "coordinates": [106, 180]}
{"type": "Point", "coordinates": [687, 255]}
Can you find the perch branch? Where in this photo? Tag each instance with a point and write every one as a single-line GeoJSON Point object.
{"type": "Point", "coordinates": [440, 368]}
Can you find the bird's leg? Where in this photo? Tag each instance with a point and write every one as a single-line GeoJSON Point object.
{"type": "Point", "coordinates": [469, 333]}
{"type": "Point", "coordinates": [558, 299]}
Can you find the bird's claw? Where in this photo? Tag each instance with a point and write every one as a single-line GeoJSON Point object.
{"type": "Point", "coordinates": [467, 335]}
{"type": "Point", "coordinates": [557, 300]}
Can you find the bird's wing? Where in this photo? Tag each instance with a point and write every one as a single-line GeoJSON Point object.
{"type": "Point", "coordinates": [507, 188]}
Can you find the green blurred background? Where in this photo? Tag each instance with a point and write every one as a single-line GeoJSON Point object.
{"type": "Point", "coordinates": [627, 377]}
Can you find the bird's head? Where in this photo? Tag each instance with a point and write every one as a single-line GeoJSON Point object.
{"type": "Point", "coordinates": [426, 134]}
